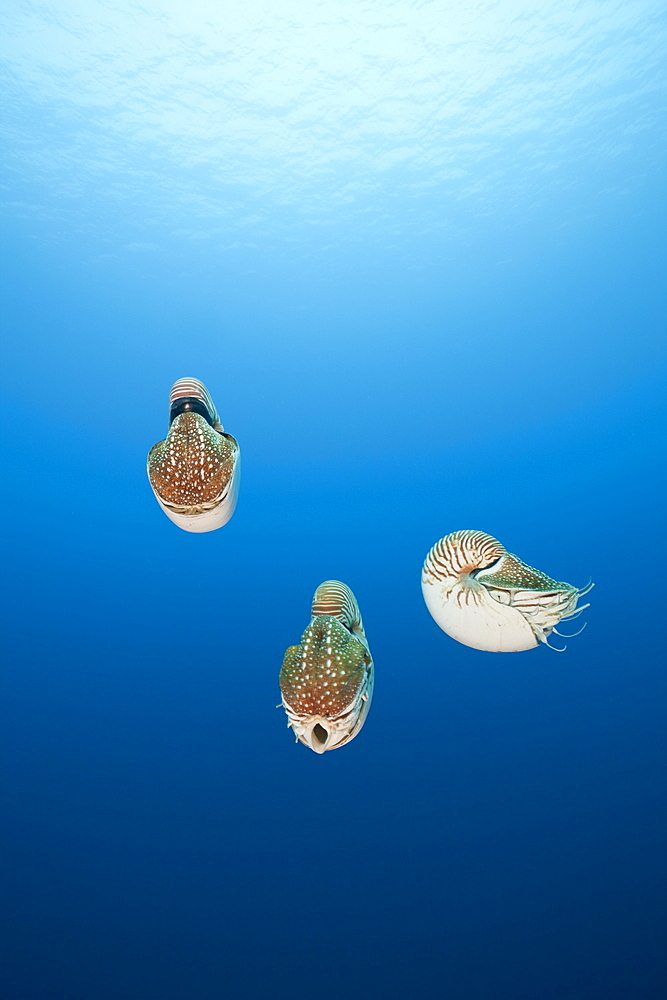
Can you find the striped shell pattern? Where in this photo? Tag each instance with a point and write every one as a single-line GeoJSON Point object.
{"type": "Point", "coordinates": [487, 598]}
{"type": "Point", "coordinates": [194, 472]}
{"type": "Point", "coordinates": [326, 681]}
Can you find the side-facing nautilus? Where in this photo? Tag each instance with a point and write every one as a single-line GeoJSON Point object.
{"type": "Point", "coordinates": [487, 598]}
{"type": "Point", "coordinates": [326, 681]}
{"type": "Point", "coordinates": [195, 471]}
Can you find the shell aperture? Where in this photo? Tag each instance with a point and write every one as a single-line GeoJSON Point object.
{"type": "Point", "coordinates": [326, 681]}
{"type": "Point", "coordinates": [485, 597]}
{"type": "Point", "coordinates": [194, 472]}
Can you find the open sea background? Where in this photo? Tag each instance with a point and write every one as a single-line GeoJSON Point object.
{"type": "Point", "coordinates": [416, 251]}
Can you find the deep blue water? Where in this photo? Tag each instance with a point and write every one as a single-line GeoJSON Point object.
{"type": "Point", "coordinates": [416, 251]}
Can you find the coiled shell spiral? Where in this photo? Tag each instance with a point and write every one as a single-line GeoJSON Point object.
{"type": "Point", "coordinates": [326, 681]}
{"type": "Point", "coordinates": [487, 598]}
{"type": "Point", "coordinates": [194, 473]}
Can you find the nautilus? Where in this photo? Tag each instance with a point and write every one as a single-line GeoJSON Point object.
{"type": "Point", "coordinates": [326, 681]}
{"type": "Point", "coordinates": [195, 471]}
{"type": "Point", "coordinates": [487, 598]}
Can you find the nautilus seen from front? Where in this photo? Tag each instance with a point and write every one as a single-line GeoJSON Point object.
{"type": "Point", "coordinates": [326, 681]}
{"type": "Point", "coordinates": [487, 598]}
{"type": "Point", "coordinates": [194, 472]}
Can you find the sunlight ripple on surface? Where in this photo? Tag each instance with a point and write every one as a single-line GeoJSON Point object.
{"type": "Point", "coordinates": [215, 125]}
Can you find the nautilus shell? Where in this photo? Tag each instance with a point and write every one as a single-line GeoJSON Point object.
{"type": "Point", "coordinates": [326, 681]}
{"type": "Point", "coordinates": [487, 598]}
{"type": "Point", "coordinates": [195, 471]}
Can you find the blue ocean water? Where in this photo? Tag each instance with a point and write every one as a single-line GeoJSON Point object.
{"type": "Point", "coordinates": [416, 251]}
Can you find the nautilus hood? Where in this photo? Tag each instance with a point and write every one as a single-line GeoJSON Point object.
{"type": "Point", "coordinates": [326, 681]}
{"type": "Point", "coordinates": [194, 472]}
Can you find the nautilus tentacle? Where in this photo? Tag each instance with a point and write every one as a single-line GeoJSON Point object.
{"type": "Point", "coordinates": [326, 681]}
{"type": "Point", "coordinates": [487, 598]}
{"type": "Point", "coordinates": [194, 472]}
